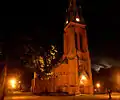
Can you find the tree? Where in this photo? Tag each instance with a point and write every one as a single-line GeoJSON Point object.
{"type": "Point", "coordinates": [40, 60]}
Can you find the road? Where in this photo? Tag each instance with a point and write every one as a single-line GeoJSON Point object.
{"type": "Point", "coordinates": [30, 96]}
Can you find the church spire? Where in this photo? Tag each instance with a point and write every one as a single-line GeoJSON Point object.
{"type": "Point", "coordinates": [74, 13]}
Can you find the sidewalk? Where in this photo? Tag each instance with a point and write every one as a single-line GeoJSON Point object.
{"type": "Point", "coordinates": [84, 95]}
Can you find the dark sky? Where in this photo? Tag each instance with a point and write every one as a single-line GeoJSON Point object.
{"type": "Point", "coordinates": [44, 23]}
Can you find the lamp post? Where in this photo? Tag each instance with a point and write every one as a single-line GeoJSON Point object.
{"type": "Point", "coordinates": [98, 86]}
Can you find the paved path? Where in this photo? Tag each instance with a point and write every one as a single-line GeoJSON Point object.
{"type": "Point", "coordinates": [30, 96]}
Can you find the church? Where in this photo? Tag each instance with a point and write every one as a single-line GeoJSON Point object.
{"type": "Point", "coordinates": [73, 73]}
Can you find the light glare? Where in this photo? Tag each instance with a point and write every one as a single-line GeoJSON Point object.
{"type": "Point", "coordinates": [98, 85]}
{"type": "Point", "coordinates": [67, 22]}
{"type": "Point", "coordinates": [83, 77]}
{"type": "Point", "coordinates": [77, 19]}
{"type": "Point", "coordinates": [13, 83]}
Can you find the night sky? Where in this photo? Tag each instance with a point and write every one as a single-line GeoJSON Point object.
{"type": "Point", "coordinates": [47, 24]}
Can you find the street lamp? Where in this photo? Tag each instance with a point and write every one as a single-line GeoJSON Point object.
{"type": "Point", "coordinates": [98, 85]}
{"type": "Point", "coordinates": [13, 83]}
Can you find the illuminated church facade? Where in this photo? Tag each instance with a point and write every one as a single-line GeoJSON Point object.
{"type": "Point", "coordinates": [73, 74]}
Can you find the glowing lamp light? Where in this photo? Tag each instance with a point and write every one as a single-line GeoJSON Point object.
{"type": "Point", "coordinates": [98, 85]}
{"type": "Point", "coordinates": [19, 82]}
{"type": "Point", "coordinates": [13, 83]}
{"type": "Point", "coordinates": [83, 77]}
{"type": "Point", "coordinates": [67, 22]}
{"type": "Point", "coordinates": [95, 90]}
{"type": "Point", "coordinates": [77, 19]}
{"type": "Point", "coordinates": [13, 86]}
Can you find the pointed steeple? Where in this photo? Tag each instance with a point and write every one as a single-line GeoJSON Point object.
{"type": "Point", "coordinates": [74, 13]}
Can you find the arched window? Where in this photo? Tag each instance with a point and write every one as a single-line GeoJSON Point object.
{"type": "Point", "coordinates": [81, 43]}
{"type": "Point", "coordinates": [76, 41]}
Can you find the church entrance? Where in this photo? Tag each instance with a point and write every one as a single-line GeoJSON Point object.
{"type": "Point", "coordinates": [82, 89]}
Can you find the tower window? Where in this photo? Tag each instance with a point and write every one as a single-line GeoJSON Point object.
{"type": "Point", "coordinates": [76, 41]}
{"type": "Point", "coordinates": [81, 43]}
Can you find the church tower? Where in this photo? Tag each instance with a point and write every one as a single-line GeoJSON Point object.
{"type": "Point", "coordinates": [73, 73]}
{"type": "Point", "coordinates": [76, 51]}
